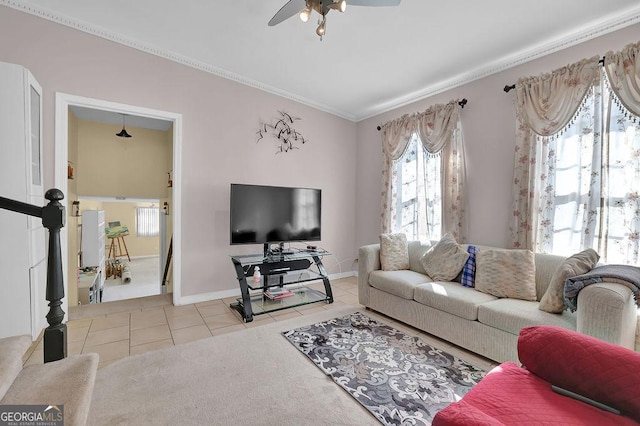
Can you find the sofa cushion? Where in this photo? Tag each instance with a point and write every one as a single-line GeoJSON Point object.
{"type": "Point", "coordinates": [582, 364]}
{"type": "Point", "coordinates": [452, 298]}
{"type": "Point", "coordinates": [511, 315]}
{"type": "Point", "coordinates": [511, 395]}
{"type": "Point", "coordinates": [399, 283]}
{"type": "Point", "coordinates": [546, 265]}
{"type": "Point", "coordinates": [506, 273]}
{"type": "Point", "coordinates": [394, 252]}
{"type": "Point", "coordinates": [417, 249]}
{"type": "Point", "coordinates": [578, 264]}
{"type": "Point", "coordinates": [445, 259]}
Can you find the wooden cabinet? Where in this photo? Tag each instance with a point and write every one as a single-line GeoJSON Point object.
{"type": "Point", "coordinates": [23, 306]}
{"type": "Point", "coordinates": [92, 256]}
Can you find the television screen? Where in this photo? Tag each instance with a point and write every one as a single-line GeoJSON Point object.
{"type": "Point", "coordinates": [268, 214]}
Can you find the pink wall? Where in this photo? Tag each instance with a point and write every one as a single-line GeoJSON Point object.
{"type": "Point", "coordinates": [220, 118]}
{"type": "Point", "coordinates": [489, 130]}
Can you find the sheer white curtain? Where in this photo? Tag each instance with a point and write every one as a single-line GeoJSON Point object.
{"type": "Point", "coordinates": [577, 172]}
{"type": "Point", "coordinates": [591, 178]}
{"type": "Point", "coordinates": [440, 133]}
{"type": "Point", "coordinates": [544, 105]}
{"type": "Point", "coordinates": [396, 135]}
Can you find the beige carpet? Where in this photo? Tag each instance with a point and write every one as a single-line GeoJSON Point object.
{"type": "Point", "coordinates": [249, 377]}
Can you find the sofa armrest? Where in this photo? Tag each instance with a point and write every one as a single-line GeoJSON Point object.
{"type": "Point", "coordinates": [608, 311]}
{"type": "Point", "coordinates": [368, 261]}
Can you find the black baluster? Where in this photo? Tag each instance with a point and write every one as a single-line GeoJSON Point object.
{"type": "Point", "coordinates": [55, 336]}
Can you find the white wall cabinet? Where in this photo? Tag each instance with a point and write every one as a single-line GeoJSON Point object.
{"type": "Point", "coordinates": [23, 307]}
{"type": "Point", "coordinates": [93, 246]}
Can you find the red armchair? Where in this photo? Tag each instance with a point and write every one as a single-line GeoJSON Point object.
{"type": "Point", "coordinates": [591, 369]}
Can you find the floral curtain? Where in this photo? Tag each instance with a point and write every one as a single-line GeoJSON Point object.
{"type": "Point", "coordinates": [590, 175]}
{"type": "Point", "coordinates": [623, 71]}
{"type": "Point", "coordinates": [395, 138]}
{"type": "Point", "coordinates": [440, 131]}
{"type": "Point", "coordinates": [544, 106]}
{"type": "Point", "coordinates": [439, 127]}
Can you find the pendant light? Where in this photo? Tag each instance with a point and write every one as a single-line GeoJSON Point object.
{"type": "Point", "coordinates": [123, 133]}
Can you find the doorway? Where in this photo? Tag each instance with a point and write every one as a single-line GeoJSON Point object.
{"type": "Point", "coordinates": [62, 166]}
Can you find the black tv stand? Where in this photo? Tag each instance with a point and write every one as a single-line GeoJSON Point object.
{"type": "Point", "coordinates": [278, 270]}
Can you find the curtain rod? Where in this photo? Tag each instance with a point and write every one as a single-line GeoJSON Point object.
{"type": "Point", "coordinates": [508, 87]}
{"type": "Point", "coordinates": [462, 103]}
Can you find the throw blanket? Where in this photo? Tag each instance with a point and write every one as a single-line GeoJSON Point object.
{"type": "Point", "coordinates": [621, 274]}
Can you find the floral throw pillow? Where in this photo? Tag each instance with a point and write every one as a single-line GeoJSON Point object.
{"type": "Point", "coordinates": [394, 252]}
{"type": "Point", "coordinates": [444, 261]}
{"type": "Point", "coordinates": [506, 273]}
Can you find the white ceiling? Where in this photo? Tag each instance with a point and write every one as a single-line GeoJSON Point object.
{"type": "Point", "coordinates": [372, 59]}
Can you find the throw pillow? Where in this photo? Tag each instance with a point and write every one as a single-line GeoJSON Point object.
{"type": "Point", "coordinates": [444, 260]}
{"type": "Point", "coordinates": [506, 273]}
{"type": "Point", "coordinates": [394, 252]}
{"type": "Point", "coordinates": [588, 366]}
{"type": "Point", "coordinates": [469, 270]}
{"type": "Point", "coordinates": [580, 263]}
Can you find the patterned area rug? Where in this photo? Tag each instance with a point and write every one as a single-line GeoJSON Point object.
{"type": "Point", "coordinates": [398, 378]}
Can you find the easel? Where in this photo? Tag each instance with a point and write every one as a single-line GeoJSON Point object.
{"type": "Point", "coordinates": [117, 251]}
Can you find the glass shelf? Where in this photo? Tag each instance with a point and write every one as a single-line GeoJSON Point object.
{"type": "Point", "coordinates": [295, 270]}
{"type": "Point", "coordinates": [292, 277]}
{"type": "Point", "coordinates": [256, 259]}
{"type": "Point", "coordinates": [261, 304]}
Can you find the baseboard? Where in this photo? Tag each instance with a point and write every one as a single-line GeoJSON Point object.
{"type": "Point", "coordinates": [206, 297]}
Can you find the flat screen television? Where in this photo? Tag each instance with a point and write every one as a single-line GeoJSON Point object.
{"type": "Point", "coordinates": [274, 214]}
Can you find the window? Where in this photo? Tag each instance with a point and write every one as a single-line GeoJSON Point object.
{"type": "Point", "coordinates": [147, 221]}
{"type": "Point", "coordinates": [419, 198]}
{"type": "Point", "coordinates": [590, 182]}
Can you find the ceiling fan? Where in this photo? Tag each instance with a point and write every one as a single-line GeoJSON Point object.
{"type": "Point", "coordinates": [304, 8]}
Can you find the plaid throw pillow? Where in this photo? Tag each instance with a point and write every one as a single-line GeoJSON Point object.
{"type": "Point", "coordinates": [469, 270]}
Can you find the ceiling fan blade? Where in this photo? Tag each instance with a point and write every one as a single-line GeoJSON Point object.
{"type": "Point", "coordinates": [287, 11]}
{"type": "Point", "coordinates": [373, 2]}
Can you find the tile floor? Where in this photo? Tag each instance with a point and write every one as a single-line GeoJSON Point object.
{"type": "Point", "coordinates": [121, 329]}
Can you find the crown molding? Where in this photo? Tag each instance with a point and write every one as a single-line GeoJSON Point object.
{"type": "Point", "coordinates": [172, 56]}
{"type": "Point", "coordinates": [602, 27]}
{"type": "Point", "coordinates": [599, 28]}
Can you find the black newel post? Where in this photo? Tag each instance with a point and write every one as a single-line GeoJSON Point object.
{"type": "Point", "coordinates": [55, 336]}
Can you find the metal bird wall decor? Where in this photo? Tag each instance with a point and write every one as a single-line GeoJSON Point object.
{"type": "Point", "coordinates": [282, 130]}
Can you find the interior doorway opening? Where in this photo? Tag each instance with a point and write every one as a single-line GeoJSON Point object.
{"type": "Point", "coordinates": [94, 174]}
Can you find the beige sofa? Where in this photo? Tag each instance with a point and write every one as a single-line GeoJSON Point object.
{"type": "Point", "coordinates": [480, 322]}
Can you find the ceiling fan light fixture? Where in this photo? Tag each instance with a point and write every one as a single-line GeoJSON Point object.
{"type": "Point", "coordinates": [305, 14]}
{"type": "Point", "coordinates": [339, 5]}
{"type": "Point", "coordinates": [322, 27]}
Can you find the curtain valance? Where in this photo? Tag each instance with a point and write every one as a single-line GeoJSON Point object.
{"type": "Point", "coordinates": [440, 131]}
{"type": "Point", "coordinates": [547, 103]}
{"type": "Point", "coordinates": [434, 126]}
{"type": "Point", "coordinates": [623, 71]}
{"type": "Point", "coordinates": [437, 124]}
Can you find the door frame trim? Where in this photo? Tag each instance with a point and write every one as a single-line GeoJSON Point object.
{"type": "Point", "coordinates": [61, 155]}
